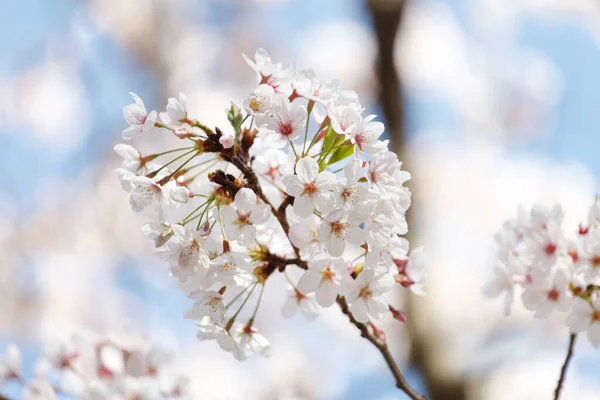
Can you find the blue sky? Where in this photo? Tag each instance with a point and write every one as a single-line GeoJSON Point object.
{"type": "Point", "coordinates": [27, 27]}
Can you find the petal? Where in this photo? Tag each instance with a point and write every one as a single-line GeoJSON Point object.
{"type": "Point", "coordinates": [326, 295]}
{"type": "Point", "coordinates": [309, 282]}
{"type": "Point", "coordinates": [260, 214]}
{"type": "Point", "coordinates": [326, 180]}
{"type": "Point", "coordinates": [304, 206]}
{"type": "Point", "coordinates": [307, 169]}
{"type": "Point", "coordinates": [335, 246]}
{"type": "Point", "coordinates": [180, 194]}
{"type": "Point", "coordinates": [377, 306]}
{"type": "Point", "coordinates": [245, 200]}
{"type": "Point", "coordinates": [131, 132]}
{"type": "Point", "coordinates": [293, 185]}
{"type": "Point", "coordinates": [359, 310]}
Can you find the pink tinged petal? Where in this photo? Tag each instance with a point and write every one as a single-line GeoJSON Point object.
{"type": "Point", "coordinates": [307, 169]}
{"type": "Point", "coordinates": [326, 295]}
{"type": "Point", "coordinates": [293, 185]}
{"type": "Point", "coordinates": [309, 282]}
{"type": "Point", "coordinates": [335, 246]}
{"type": "Point", "coordinates": [304, 206]}
{"type": "Point", "coordinates": [245, 200]}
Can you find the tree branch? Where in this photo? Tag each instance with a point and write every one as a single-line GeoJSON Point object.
{"type": "Point", "coordinates": [563, 370]}
{"type": "Point", "coordinates": [401, 382]}
{"type": "Point", "coordinates": [279, 213]}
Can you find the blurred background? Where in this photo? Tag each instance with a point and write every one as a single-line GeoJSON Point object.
{"type": "Point", "coordinates": [490, 103]}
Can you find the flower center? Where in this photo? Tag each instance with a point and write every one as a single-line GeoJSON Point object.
{"type": "Point", "coordinates": [213, 304]}
{"type": "Point", "coordinates": [596, 261]}
{"type": "Point", "coordinates": [550, 249]}
{"type": "Point", "coordinates": [274, 171]}
{"type": "Point", "coordinates": [327, 275]}
{"type": "Point", "coordinates": [255, 104]}
{"type": "Point", "coordinates": [310, 189]}
{"type": "Point", "coordinates": [365, 293]}
{"type": "Point", "coordinates": [286, 128]}
{"type": "Point", "coordinates": [338, 228]}
{"type": "Point", "coordinates": [348, 192]}
{"type": "Point", "coordinates": [553, 294]}
{"type": "Point", "coordinates": [243, 219]}
{"type": "Point", "coordinates": [596, 316]}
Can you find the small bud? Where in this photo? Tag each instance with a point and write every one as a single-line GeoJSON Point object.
{"type": "Point", "coordinates": [378, 332]}
{"type": "Point", "coordinates": [398, 314]}
{"type": "Point", "coordinates": [226, 141]}
{"type": "Point", "coordinates": [226, 247]}
{"type": "Point", "coordinates": [205, 231]}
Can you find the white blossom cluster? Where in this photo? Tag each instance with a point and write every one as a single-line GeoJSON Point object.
{"type": "Point", "coordinates": [552, 271]}
{"type": "Point", "coordinates": [96, 367]}
{"type": "Point", "coordinates": [300, 180]}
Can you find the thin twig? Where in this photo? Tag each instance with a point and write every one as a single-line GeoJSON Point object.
{"type": "Point", "coordinates": [401, 382]}
{"type": "Point", "coordinates": [563, 370]}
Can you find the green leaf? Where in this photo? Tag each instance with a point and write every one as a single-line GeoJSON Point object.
{"type": "Point", "coordinates": [234, 115]}
{"type": "Point", "coordinates": [341, 153]}
{"type": "Point", "coordinates": [330, 139]}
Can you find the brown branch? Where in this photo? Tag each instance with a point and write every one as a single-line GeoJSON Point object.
{"type": "Point", "coordinates": [563, 370]}
{"type": "Point", "coordinates": [401, 382]}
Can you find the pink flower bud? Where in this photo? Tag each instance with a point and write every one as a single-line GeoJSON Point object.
{"type": "Point", "coordinates": [398, 314]}
{"type": "Point", "coordinates": [226, 141]}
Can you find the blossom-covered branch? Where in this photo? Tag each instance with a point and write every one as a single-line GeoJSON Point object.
{"type": "Point", "coordinates": [300, 179]}
{"type": "Point", "coordinates": [552, 271]}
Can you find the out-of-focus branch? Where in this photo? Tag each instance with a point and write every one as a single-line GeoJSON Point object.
{"type": "Point", "coordinates": [387, 17]}
{"type": "Point", "coordinates": [563, 370]}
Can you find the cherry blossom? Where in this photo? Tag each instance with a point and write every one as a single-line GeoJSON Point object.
{"type": "Point", "coordinates": [139, 120]}
{"type": "Point", "coordinates": [284, 122]}
{"type": "Point", "coordinates": [365, 295]}
{"type": "Point", "coordinates": [310, 188]}
{"type": "Point", "coordinates": [240, 222]}
{"type": "Point", "coordinates": [176, 111]}
{"type": "Point", "coordinates": [298, 301]}
{"type": "Point", "coordinates": [326, 278]}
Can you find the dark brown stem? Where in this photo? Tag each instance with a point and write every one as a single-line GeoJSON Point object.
{"type": "Point", "coordinates": [563, 370]}
{"type": "Point", "coordinates": [401, 382]}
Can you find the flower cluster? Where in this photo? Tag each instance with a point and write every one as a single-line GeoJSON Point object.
{"type": "Point", "coordinates": [552, 270]}
{"type": "Point", "coordinates": [93, 367]}
{"type": "Point", "coordinates": [300, 179]}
